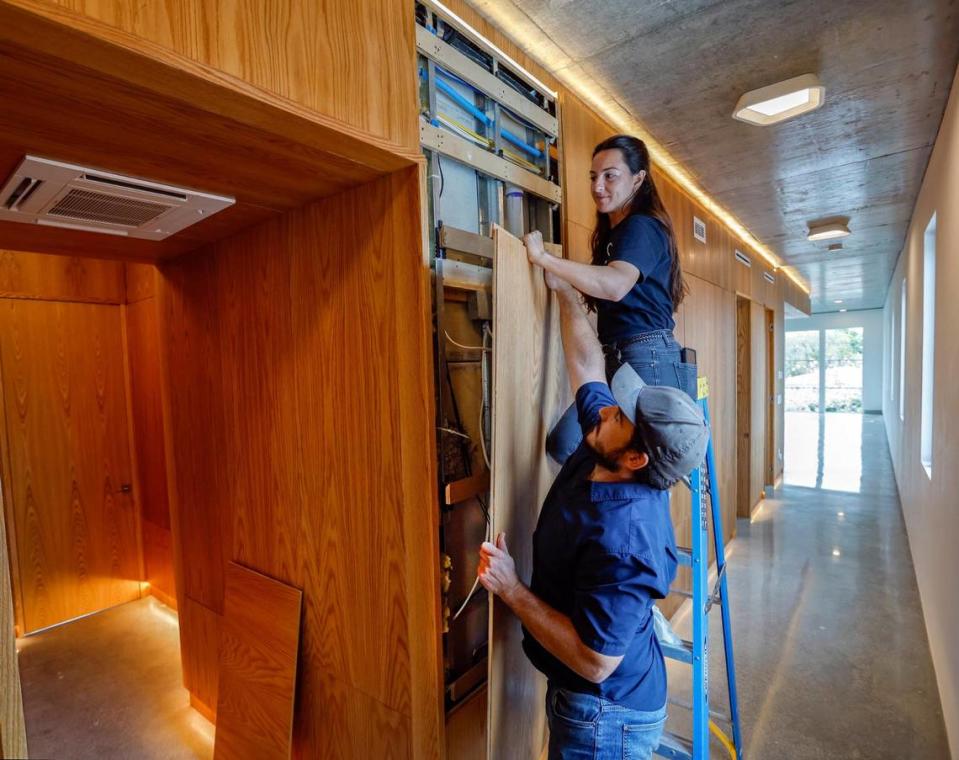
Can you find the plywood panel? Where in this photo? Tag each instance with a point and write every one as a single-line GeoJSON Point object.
{"type": "Point", "coordinates": [59, 278]}
{"type": "Point", "coordinates": [67, 433]}
{"type": "Point", "coordinates": [300, 397]}
{"type": "Point", "coordinates": [312, 53]}
{"type": "Point", "coordinates": [259, 647]}
{"type": "Point", "coordinates": [466, 729]}
{"type": "Point", "coordinates": [530, 392]}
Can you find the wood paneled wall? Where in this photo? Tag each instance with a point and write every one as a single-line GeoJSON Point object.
{"type": "Point", "coordinates": [353, 63]}
{"type": "Point", "coordinates": [13, 733]}
{"type": "Point", "coordinates": [298, 385]}
{"type": "Point", "coordinates": [143, 355]}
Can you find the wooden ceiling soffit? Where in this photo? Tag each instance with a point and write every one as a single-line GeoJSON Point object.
{"type": "Point", "coordinates": [80, 91]}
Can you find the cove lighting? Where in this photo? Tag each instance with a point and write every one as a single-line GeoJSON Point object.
{"type": "Point", "coordinates": [505, 15]}
{"type": "Point", "coordinates": [780, 101]}
{"type": "Point", "coordinates": [827, 231]}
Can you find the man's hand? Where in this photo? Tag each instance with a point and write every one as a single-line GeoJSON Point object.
{"type": "Point", "coordinates": [496, 570]}
{"type": "Point", "coordinates": [535, 251]}
{"type": "Point", "coordinates": [555, 282]}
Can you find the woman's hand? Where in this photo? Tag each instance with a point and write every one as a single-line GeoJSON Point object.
{"type": "Point", "coordinates": [497, 571]}
{"type": "Point", "coordinates": [535, 251]}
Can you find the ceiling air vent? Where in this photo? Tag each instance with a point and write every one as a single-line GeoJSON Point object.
{"type": "Point", "coordinates": [64, 195]}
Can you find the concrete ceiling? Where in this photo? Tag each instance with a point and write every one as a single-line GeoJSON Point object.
{"type": "Point", "coordinates": [679, 66]}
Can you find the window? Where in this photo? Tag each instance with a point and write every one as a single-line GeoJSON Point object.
{"type": "Point", "coordinates": [902, 351]}
{"type": "Point", "coordinates": [928, 343]}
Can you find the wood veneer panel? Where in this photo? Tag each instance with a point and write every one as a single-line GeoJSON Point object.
{"type": "Point", "coordinates": [530, 392]}
{"type": "Point", "coordinates": [13, 734]}
{"type": "Point", "coordinates": [161, 115]}
{"type": "Point", "coordinates": [199, 648]}
{"type": "Point", "coordinates": [300, 395]}
{"type": "Point", "coordinates": [582, 130]}
{"type": "Point", "coordinates": [67, 433]}
{"type": "Point", "coordinates": [259, 649]}
{"type": "Point", "coordinates": [313, 53]}
{"type": "Point", "coordinates": [59, 278]}
{"type": "Point", "coordinates": [743, 405]}
{"type": "Point", "coordinates": [140, 281]}
{"type": "Point", "coordinates": [143, 350]}
{"type": "Point", "coordinates": [758, 396]}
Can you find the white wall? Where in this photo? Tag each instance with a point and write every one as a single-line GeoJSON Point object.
{"type": "Point", "coordinates": [930, 504]}
{"type": "Point", "coordinates": [871, 322]}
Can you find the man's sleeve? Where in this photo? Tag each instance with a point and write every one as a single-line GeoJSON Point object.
{"type": "Point", "coordinates": [590, 398]}
{"type": "Point", "coordinates": [641, 244]}
{"type": "Point", "coordinates": [612, 599]}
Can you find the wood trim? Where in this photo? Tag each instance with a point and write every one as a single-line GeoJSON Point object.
{"type": "Point", "coordinates": [465, 489]}
{"type": "Point", "coordinates": [466, 242]}
{"type": "Point", "coordinates": [169, 601]}
{"type": "Point", "coordinates": [197, 704]}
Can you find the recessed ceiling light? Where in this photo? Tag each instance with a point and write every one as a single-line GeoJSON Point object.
{"type": "Point", "coordinates": [842, 310]}
{"type": "Point", "coordinates": [827, 231]}
{"type": "Point", "coordinates": [838, 300]}
{"type": "Point", "coordinates": [780, 101]}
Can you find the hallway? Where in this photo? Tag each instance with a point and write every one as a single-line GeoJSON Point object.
{"type": "Point", "coordinates": [831, 649]}
{"type": "Point", "coordinates": [109, 686]}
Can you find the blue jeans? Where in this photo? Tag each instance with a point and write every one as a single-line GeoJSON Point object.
{"type": "Point", "coordinates": [656, 358]}
{"type": "Point", "coordinates": [586, 727]}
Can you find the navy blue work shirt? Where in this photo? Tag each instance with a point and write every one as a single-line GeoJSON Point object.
{"type": "Point", "coordinates": [602, 552]}
{"type": "Point", "coordinates": [642, 242]}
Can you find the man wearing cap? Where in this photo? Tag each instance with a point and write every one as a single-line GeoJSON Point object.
{"type": "Point", "coordinates": [603, 551]}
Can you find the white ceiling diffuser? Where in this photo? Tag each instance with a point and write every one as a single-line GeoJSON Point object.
{"type": "Point", "coordinates": [56, 194]}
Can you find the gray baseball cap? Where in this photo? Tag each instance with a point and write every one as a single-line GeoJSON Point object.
{"type": "Point", "coordinates": [670, 422]}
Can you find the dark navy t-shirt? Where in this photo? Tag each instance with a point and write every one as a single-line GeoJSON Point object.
{"type": "Point", "coordinates": [642, 242]}
{"type": "Point", "coordinates": [602, 552]}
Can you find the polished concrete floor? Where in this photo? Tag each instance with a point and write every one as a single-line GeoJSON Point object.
{"type": "Point", "coordinates": [109, 686]}
{"type": "Point", "coordinates": [831, 650]}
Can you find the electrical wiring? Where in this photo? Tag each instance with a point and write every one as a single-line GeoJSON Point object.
{"type": "Point", "coordinates": [455, 432]}
{"type": "Point", "coordinates": [521, 161]}
{"type": "Point", "coordinates": [465, 348]}
{"type": "Point", "coordinates": [468, 133]}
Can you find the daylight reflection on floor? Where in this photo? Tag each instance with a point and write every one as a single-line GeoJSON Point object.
{"type": "Point", "coordinates": [824, 450]}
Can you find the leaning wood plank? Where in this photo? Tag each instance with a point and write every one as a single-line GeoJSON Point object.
{"type": "Point", "coordinates": [258, 653]}
{"type": "Point", "coordinates": [530, 392]}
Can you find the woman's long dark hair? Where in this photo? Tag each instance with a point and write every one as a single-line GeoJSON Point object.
{"type": "Point", "coordinates": [646, 203]}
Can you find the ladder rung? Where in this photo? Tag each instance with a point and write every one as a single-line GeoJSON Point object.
{"type": "Point", "coordinates": [689, 706]}
{"type": "Point", "coordinates": [685, 556]}
{"type": "Point", "coordinates": [671, 745]}
{"type": "Point", "coordinates": [682, 652]}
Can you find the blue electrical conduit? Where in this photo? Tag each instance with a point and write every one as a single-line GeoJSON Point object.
{"type": "Point", "coordinates": [464, 103]}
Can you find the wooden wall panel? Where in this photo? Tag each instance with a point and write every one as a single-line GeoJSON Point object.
{"type": "Point", "coordinates": [67, 435]}
{"type": "Point", "coordinates": [298, 360]}
{"type": "Point", "coordinates": [13, 734]}
{"type": "Point", "coordinates": [757, 469]}
{"type": "Point", "coordinates": [143, 351]}
{"type": "Point", "coordinates": [312, 52]}
{"type": "Point", "coordinates": [581, 131]}
{"type": "Point", "coordinates": [259, 648]}
{"type": "Point", "coordinates": [530, 392]}
{"type": "Point", "coordinates": [60, 278]}
{"type": "Point", "coordinates": [139, 281]}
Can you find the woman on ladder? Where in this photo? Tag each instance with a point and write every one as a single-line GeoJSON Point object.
{"type": "Point", "coordinates": [635, 282]}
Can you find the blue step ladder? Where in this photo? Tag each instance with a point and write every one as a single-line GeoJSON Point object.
{"type": "Point", "coordinates": [696, 652]}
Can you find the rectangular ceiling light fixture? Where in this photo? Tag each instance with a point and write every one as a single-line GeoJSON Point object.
{"type": "Point", "coordinates": [780, 101]}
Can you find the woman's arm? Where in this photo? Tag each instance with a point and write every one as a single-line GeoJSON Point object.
{"type": "Point", "coordinates": [611, 282]}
